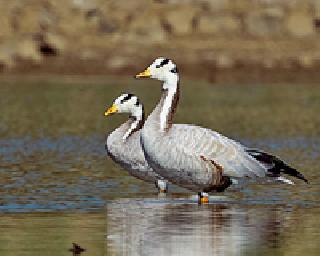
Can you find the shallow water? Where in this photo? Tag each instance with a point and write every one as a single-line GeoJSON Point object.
{"type": "Point", "coordinates": [58, 187]}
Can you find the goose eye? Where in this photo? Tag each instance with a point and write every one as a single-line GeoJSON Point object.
{"type": "Point", "coordinates": [158, 66]}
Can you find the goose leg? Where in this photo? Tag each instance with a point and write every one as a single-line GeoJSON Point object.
{"type": "Point", "coordinates": [162, 186]}
{"type": "Point", "coordinates": [203, 198]}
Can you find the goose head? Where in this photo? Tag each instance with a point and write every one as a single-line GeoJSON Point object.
{"type": "Point", "coordinates": [126, 103]}
{"type": "Point", "coordinates": [161, 69]}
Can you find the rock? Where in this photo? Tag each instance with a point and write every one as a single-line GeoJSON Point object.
{"type": "Point", "coordinates": [181, 20]}
{"type": "Point", "coordinates": [56, 41]}
{"type": "Point", "coordinates": [216, 5]}
{"type": "Point", "coordinates": [6, 55]}
{"type": "Point", "coordinates": [107, 26]}
{"type": "Point", "coordinates": [221, 24]}
{"type": "Point", "coordinates": [306, 61]}
{"type": "Point", "coordinates": [178, 1]}
{"type": "Point", "coordinates": [267, 22]}
{"type": "Point", "coordinates": [27, 20]}
{"type": "Point", "coordinates": [98, 22]}
{"type": "Point", "coordinates": [28, 49]}
{"type": "Point", "coordinates": [84, 4]}
{"type": "Point", "coordinates": [274, 12]}
{"type": "Point", "coordinates": [6, 29]}
{"type": "Point", "coordinates": [268, 63]}
{"type": "Point", "coordinates": [317, 9]}
{"type": "Point", "coordinates": [117, 62]}
{"type": "Point", "coordinates": [89, 54]}
{"type": "Point", "coordinates": [23, 48]}
{"type": "Point", "coordinates": [72, 24]}
{"type": "Point", "coordinates": [126, 6]}
{"type": "Point", "coordinates": [205, 31]}
{"type": "Point", "coordinates": [151, 30]}
{"type": "Point", "coordinates": [50, 44]}
{"type": "Point", "coordinates": [300, 24]}
{"type": "Point", "coordinates": [224, 61]}
{"type": "Point", "coordinates": [241, 6]}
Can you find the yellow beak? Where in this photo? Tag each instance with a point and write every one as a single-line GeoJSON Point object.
{"type": "Point", "coordinates": [111, 110]}
{"type": "Point", "coordinates": [144, 74]}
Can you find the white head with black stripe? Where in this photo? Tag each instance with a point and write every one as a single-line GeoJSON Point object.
{"type": "Point", "coordinates": [162, 69]}
{"type": "Point", "coordinates": [127, 103]}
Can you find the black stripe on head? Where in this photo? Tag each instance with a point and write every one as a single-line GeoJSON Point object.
{"type": "Point", "coordinates": [126, 98]}
{"type": "Point", "coordinates": [163, 62]}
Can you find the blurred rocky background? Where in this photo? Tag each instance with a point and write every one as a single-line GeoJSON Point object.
{"type": "Point", "coordinates": [217, 40]}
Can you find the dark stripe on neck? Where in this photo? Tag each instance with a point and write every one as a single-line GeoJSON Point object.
{"type": "Point", "coordinates": [174, 70]}
{"type": "Point", "coordinates": [138, 125]}
{"type": "Point", "coordinates": [142, 115]}
{"type": "Point", "coordinates": [173, 107]}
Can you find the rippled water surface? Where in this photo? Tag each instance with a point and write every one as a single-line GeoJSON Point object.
{"type": "Point", "coordinates": [58, 187]}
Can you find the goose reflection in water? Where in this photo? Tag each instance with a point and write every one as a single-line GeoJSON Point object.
{"type": "Point", "coordinates": [137, 227]}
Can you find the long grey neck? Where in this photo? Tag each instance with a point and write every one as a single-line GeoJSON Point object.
{"type": "Point", "coordinates": [162, 115]}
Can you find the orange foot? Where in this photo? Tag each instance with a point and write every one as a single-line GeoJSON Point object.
{"type": "Point", "coordinates": [203, 198]}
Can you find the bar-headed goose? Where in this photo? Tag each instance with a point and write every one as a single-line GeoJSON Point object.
{"type": "Point", "coordinates": [123, 144]}
{"type": "Point", "coordinates": [194, 157]}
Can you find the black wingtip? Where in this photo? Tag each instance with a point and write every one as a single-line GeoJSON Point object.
{"type": "Point", "coordinates": [301, 177]}
{"type": "Point", "coordinates": [278, 166]}
{"type": "Point", "coordinates": [293, 172]}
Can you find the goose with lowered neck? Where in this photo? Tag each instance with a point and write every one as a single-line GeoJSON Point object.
{"type": "Point", "coordinates": [123, 144]}
{"type": "Point", "coordinates": [195, 157]}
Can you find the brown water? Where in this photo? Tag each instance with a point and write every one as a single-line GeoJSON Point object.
{"type": "Point", "coordinates": [58, 187]}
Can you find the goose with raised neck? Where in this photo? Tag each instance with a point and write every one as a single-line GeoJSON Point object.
{"type": "Point", "coordinates": [198, 158]}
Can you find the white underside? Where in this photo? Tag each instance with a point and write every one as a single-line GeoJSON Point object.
{"type": "Point", "coordinates": [285, 180]}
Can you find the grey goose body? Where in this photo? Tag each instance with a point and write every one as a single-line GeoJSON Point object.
{"type": "Point", "coordinates": [123, 144]}
{"type": "Point", "coordinates": [194, 157]}
{"type": "Point", "coordinates": [128, 153]}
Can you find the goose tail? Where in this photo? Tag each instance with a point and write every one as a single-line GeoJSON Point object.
{"type": "Point", "coordinates": [275, 165]}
